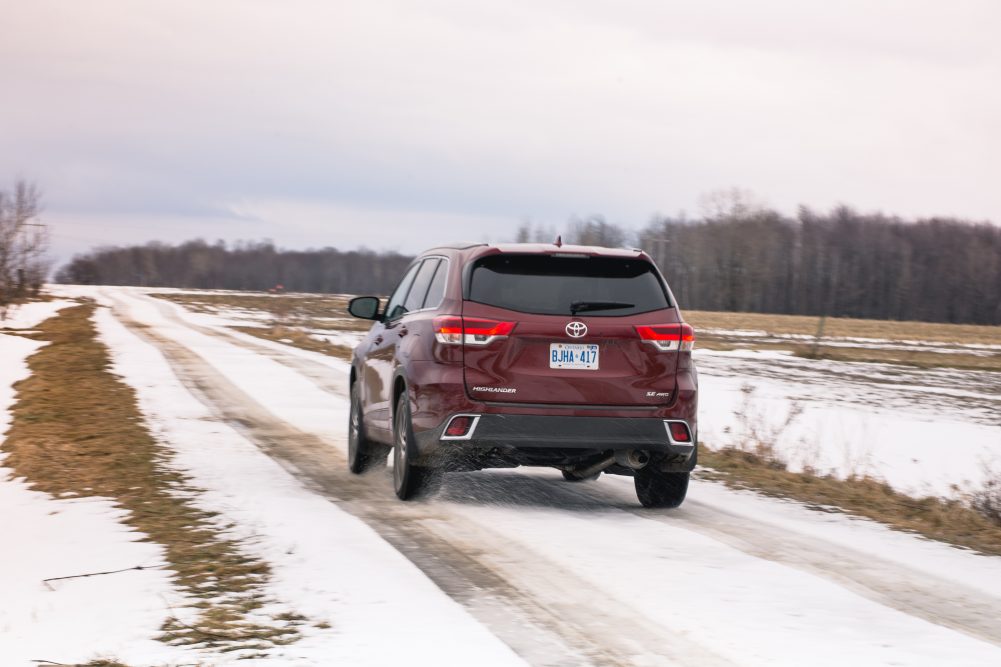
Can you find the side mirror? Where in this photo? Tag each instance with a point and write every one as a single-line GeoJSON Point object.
{"type": "Point", "coordinates": [365, 307]}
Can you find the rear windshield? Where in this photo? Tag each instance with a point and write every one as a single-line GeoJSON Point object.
{"type": "Point", "coordinates": [549, 285]}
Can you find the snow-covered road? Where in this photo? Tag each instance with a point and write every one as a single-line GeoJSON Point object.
{"type": "Point", "coordinates": [510, 566]}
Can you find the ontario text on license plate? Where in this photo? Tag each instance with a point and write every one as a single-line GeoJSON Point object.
{"type": "Point", "coordinates": [583, 356]}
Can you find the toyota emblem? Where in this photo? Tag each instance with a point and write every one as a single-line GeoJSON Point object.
{"type": "Point", "coordinates": [576, 329]}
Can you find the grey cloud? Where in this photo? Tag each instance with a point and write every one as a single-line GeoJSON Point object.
{"type": "Point", "coordinates": [183, 110]}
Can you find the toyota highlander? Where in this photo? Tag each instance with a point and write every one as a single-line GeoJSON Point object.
{"type": "Point", "coordinates": [485, 356]}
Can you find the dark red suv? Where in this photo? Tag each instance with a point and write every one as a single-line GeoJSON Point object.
{"type": "Point", "coordinates": [487, 356]}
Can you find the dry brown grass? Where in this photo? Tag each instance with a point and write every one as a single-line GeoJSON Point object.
{"type": "Point", "coordinates": [298, 338]}
{"type": "Point", "coordinates": [77, 431]}
{"type": "Point", "coordinates": [951, 521]}
{"type": "Point", "coordinates": [100, 662]}
{"type": "Point", "coordinates": [320, 311]}
{"type": "Point", "coordinates": [945, 335]}
{"type": "Point", "coordinates": [335, 306]}
{"type": "Point", "coordinates": [313, 308]}
{"type": "Point", "coordinates": [291, 316]}
{"type": "Point", "coordinates": [843, 327]}
{"type": "Point", "coordinates": [987, 499]}
{"type": "Point", "coordinates": [916, 358]}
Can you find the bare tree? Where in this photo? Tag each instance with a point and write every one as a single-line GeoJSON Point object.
{"type": "Point", "coordinates": [595, 230]}
{"type": "Point", "coordinates": [24, 241]}
{"type": "Point", "coordinates": [537, 233]}
{"type": "Point", "coordinates": [730, 203]}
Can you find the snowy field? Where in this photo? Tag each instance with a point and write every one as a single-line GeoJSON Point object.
{"type": "Point", "coordinates": [924, 431]}
{"type": "Point", "coordinates": [892, 422]}
{"type": "Point", "coordinates": [510, 567]}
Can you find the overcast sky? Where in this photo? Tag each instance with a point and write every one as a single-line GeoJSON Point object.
{"type": "Point", "coordinates": [395, 125]}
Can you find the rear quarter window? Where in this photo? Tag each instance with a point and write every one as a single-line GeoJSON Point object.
{"type": "Point", "coordinates": [415, 299]}
{"type": "Point", "coordinates": [547, 285]}
{"type": "Point", "coordinates": [436, 292]}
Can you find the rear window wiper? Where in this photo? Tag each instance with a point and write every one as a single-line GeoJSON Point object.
{"type": "Point", "coordinates": [579, 306]}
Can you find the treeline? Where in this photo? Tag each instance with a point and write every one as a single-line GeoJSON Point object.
{"type": "Point", "coordinates": [747, 258]}
{"type": "Point", "coordinates": [242, 266]}
{"type": "Point", "coordinates": [738, 257]}
{"type": "Point", "coordinates": [842, 264]}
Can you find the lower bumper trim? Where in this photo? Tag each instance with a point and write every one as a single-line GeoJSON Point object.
{"type": "Point", "coordinates": [531, 431]}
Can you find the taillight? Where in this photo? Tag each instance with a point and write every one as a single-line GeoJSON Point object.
{"type": "Point", "coordinates": [448, 330]}
{"type": "Point", "coordinates": [668, 337]}
{"type": "Point", "coordinates": [453, 330]}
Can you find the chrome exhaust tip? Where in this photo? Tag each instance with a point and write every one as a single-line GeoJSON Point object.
{"type": "Point", "coordinates": [632, 458]}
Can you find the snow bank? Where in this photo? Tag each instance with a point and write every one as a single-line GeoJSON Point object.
{"type": "Point", "coordinates": [73, 620]}
{"type": "Point", "coordinates": [31, 314]}
{"type": "Point", "coordinates": [326, 564]}
{"type": "Point", "coordinates": [920, 437]}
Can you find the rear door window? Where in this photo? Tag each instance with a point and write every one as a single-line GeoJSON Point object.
{"type": "Point", "coordinates": [548, 285]}
{"type": "Point", "coordinates": [395, 307]}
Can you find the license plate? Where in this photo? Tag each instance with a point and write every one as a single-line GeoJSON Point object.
{"type": "Point", "coordinates": [579, 356]}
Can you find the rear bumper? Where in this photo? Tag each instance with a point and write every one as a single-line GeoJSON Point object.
{"type": "Point", "coordinates": [527, 434]}
{"type": "Point", "coordinates": [544, 440]}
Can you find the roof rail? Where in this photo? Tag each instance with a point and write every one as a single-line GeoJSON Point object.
{"type": "Point", "coordinates": [461, 245]}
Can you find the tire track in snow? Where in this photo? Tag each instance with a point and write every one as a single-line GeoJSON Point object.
{"type": "Point", "coordinates": [912, 592]}
{"type": "Point", "coordinates": [891, 584]}
{"type": "Point", "coordinates": [544, 624]}
{"type": "Point", "coordinates": [942, 602]}
{"type": "Point", "coordinates": [321, 375]}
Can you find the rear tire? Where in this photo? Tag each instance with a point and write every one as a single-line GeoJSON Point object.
{"type": "Point", "coordinates": [571, 476]}
{"type": "Point", "coordinates": [409, 481]}
{"type": "Point", "coordinates": [361, 452]}
{"type": "Point", "coordinates": [660, 489]}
